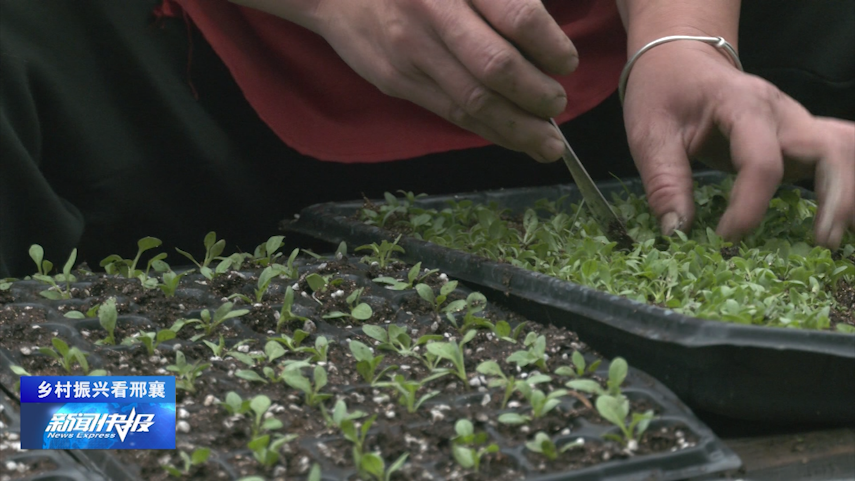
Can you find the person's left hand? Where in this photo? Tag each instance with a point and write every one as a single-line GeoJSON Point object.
{"type": "Point", "coordinates": [686, 100]}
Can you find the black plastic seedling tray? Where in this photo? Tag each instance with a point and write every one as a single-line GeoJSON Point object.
{"type": "Point", "coordinates": [34, 465]}
{"type": "Point", "coordinates": [698, 453]}
{"type": "Point", "coordinates": [774, 375]}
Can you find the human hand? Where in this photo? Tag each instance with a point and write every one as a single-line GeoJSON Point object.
{"type": "Point", "coordinates": [479, 63]}
{"type": "Point", "coordinates": [686, 100]}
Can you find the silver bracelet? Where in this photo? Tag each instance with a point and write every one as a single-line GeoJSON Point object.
{"type": "Point", "coordinates": [718, 42]}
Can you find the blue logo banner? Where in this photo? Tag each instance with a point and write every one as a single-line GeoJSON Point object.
{"type": "Point", "coordinates": [98, 412]}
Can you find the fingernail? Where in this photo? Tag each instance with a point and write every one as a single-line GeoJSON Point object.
{"type": "Point", "coordinates": [572, 64]}
{"type": "Point", "coordinates": [671, 222]}
{"type": "Point", "coordinates": [557, 105]}
{"type": "Point", "coordinates": [552, 149]}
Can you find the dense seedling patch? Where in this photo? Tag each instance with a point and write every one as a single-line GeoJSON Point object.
{"type": "Point", "coordinates": [774, 277]}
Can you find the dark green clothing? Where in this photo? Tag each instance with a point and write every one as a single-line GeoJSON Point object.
{"type": "Point", "coordinates": [102, 140]}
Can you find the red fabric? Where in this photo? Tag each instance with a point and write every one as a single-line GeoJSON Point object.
{"type": "Point", "coordinates": [317, 105]}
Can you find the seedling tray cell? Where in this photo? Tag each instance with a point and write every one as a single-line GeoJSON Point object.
{"type": "Point", "coordinates": [776, 375]}
{"type": "Point", "coordinates": [676, 445]}
{"type": "Point", "coordinates": [34, 465]}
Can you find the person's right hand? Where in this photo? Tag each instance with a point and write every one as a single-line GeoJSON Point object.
{"type": "Point", "coordinates": [686, 100]}
{"type": "Point", "coordinates": [479, 63]}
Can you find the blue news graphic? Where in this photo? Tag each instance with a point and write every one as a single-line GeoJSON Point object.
{"type": "Point", "coordinates": [130, 412]}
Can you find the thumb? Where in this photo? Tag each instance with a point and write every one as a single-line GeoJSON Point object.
{"type": "Point", "coordinates": [667, 176]}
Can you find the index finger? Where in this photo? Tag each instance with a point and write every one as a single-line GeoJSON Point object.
{"type": "Point", "coordinates": [528, 25]}
{"type": "Point", "coordinates": [498, 65]}
{"type": "Point", "coordinates": [757, 158]}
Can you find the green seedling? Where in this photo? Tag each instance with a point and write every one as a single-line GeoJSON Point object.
{"type": "Point", "coordinates": [213, 248]}
{"type": "Point", "coordinates": [617, 374]}
{"type": "Point", "coordinates": [360, 311]}
{"type": "Point", "coordinates": [290, 269]}
{"type": "Point", "coordinates": [256, 407]}
{"type": "Point", "coordinates": [341, 250]}
{"type": "Point", "coordinates": [369, 465]}
{"type": "Point", "coordinates": [270, 375]}
{"type": "Point", "coordinates": [452, 352]}
{"type": "Point", "coordinates": [372, 466]}
{"type": "Point", "coordinates": [265, 449]}
{"type": "Point", "coordinates": [20, 371]}
{"type": "Point", "coordinates": [407, 392]}
{"type": "Point", "coordinates": [238, 296]}
{"type": "Point", "coordinates": [474, 303]}
{"type": "Point", "coordinates": [209, 323]}
{"type": "Point", "coordinates": [186, 373]}
{"type": "Point", "coordinates": [234, 404]}
{"type": "Point", "coordinates": [503, 331]}
{"type": "Point", "coordinates": [314, 473]}
{"type": "Point", "coordinates": [264, 279]}
{"type": "Point", "coordinates": [90, 313]}
{"type": "Point", "coordinates": [233, 261]}
{"type": "Point", "coordinates": [379, 215]}
{"type": "Point", "coordinates": [318, 351]}
{"type": "Point", "coordinates": [395, 338]}
{"type": "Point", "coordinates": [616, 410]}
{"type": "Point", "coordinates": [318, 283]}
{"type": "Point", "coordinates": [198, 458]}
{"type": "Point", "coordinates": [367, 363]}
{"type": "Point", "coordinates": [541, 403]}
{"type": "Point", "coordinates": [381, 254]}
{"type": "Point", "coordinates": [340, 414]}
{"type": "Point", "coordinates": [499, 380]}
{"type": "Point", "coordinates": [285, 314]}
{"type": "Point", "coordinates": [153, 339]}
{"type": "Point", "coordinates": [514, 419]}
{"type": "Point", "coordinates": [265, 254]}
{"type": "Point", "coordinates": [68, 357]}
{"type": "Point", "coordinates": [107, 317]}
{"type": "Point", "coordinates": [469, 447]}
{"type": "Point", "coordinates": [580, 368]}
{"type": "Point", "coordinates": [436, 301]}
{"type": "Point", "coordinates": [37, 254]}
{"type": "Point", "coordinates": [55, 292]}
{"type": "Point", "coordinates": [543, 444]}
{"type": "Point", "coordinates": [272, 351]}
{"type": "Point", "coordinates": [115, 264]}
{"type": "Point", "coordinates": [354, 435]}
{"type": "Point", "coordinates": [292, 343]}
{"type": "Point", "coordinates": [219, 350]}
{"type": "Point", "coordinates": [259, 406]}
{"type": "Point", "coordinates": [414, 276]}
{"type": "Point", "coordinates": [534, 355]}
{"type": "Point", "coordinates": [294, 378]}
{"type": "Point", "coordinates": [171, 281]}
{"type": "Point", "coordinates": [248, 359]}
